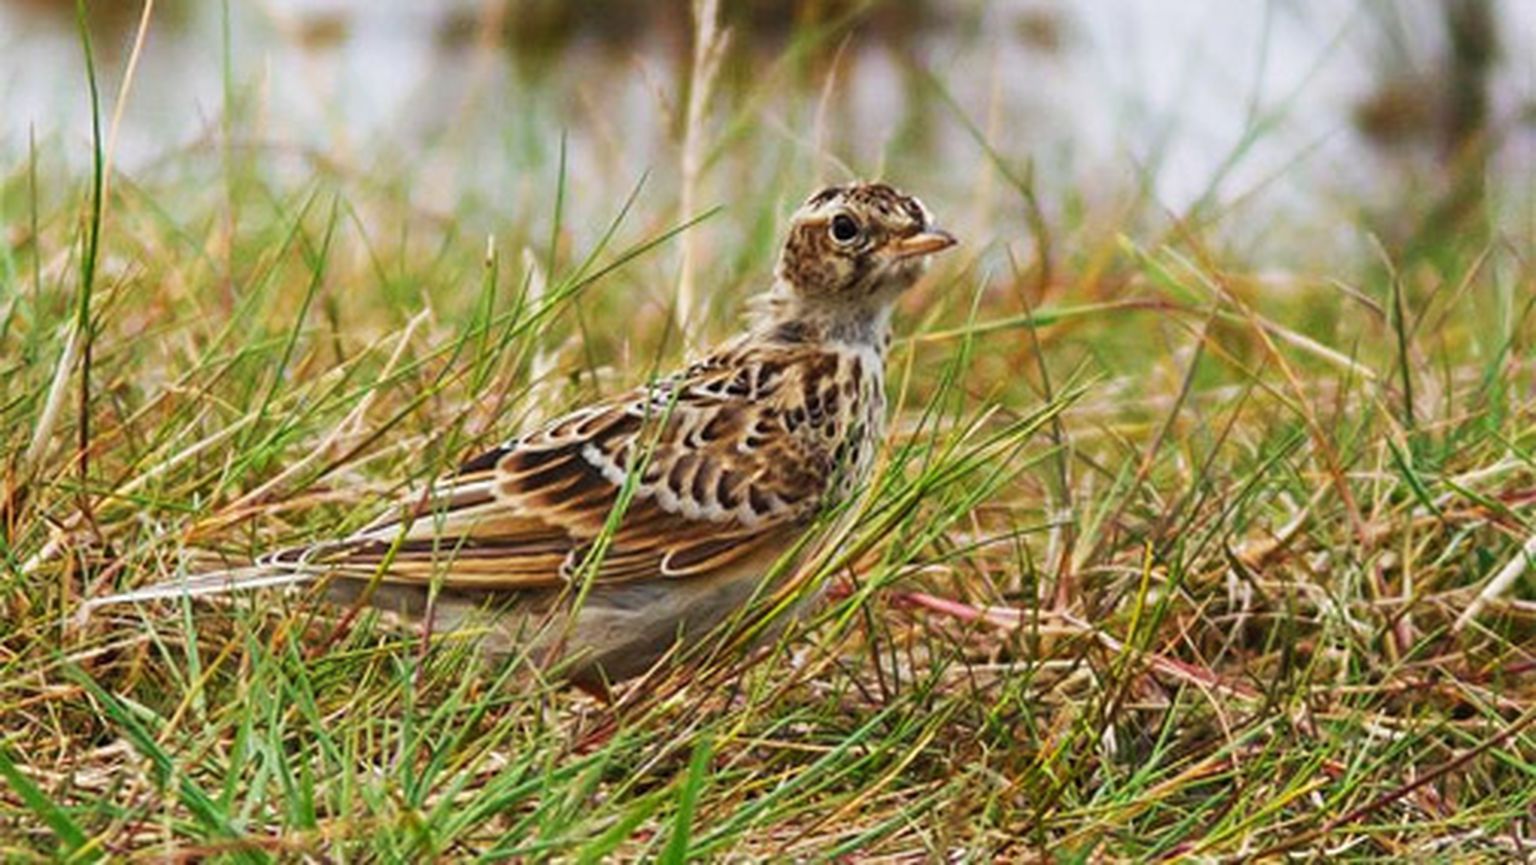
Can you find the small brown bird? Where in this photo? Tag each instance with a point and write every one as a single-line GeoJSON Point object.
{"type": "Point", "coordinates": [710, 474]}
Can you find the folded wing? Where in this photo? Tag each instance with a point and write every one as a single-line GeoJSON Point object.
{"type": "Point", "coordinates": [708, 466]}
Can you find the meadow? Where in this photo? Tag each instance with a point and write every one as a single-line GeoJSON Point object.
{"type": "Point", "coordinates": [1203, 531]}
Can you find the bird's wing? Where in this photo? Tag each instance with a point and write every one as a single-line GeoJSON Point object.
{"type": "Point", "coordinates": [715, 458]}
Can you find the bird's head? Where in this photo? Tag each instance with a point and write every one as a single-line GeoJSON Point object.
{"type": "Point", "coordinates": [858, 245]}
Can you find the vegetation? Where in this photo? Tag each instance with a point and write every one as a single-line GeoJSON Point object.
{"type": "Point", "coordinates": [1174, 553]}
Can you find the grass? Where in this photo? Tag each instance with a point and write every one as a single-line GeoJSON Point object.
{"type": "Point", "coordinates": [1171, 554]}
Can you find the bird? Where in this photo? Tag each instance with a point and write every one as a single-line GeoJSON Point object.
{"type": "Point", "coordinates": [609, 538]}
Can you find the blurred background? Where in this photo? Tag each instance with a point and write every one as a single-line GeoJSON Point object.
{"type": "Point", "coordinates": [1306, 114]}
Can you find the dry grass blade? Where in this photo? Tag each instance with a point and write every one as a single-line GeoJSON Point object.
{"type": "Point", "coordinates": [709, 44]}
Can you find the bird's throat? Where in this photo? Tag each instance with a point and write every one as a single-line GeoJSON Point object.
{"type": "Point", "coordinates": [784, 316]}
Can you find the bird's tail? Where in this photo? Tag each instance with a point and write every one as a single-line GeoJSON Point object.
{"type": "Point", "coordinates": [287, 567]}
{"type": "Point", "coordinates": [200, 585]}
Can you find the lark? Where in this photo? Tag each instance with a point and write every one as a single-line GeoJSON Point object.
{"type": "Point", "coordinates": [602, 540]}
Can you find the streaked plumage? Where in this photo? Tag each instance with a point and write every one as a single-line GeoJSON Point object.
{"type": "Point", "coordinates": [727, 462]}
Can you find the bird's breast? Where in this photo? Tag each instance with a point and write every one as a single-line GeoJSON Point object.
{"type": "Point", "coordinates": [851, 401]}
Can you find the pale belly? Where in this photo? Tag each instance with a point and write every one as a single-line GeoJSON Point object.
{"type": "Point", "coordinates": [618, 632]}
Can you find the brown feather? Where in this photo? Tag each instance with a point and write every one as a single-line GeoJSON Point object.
{"type": "Point", "coordinates": [730, 458]}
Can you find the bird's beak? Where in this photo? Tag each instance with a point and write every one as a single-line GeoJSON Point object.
{"type": "Point", "coordinates": [923, 243]}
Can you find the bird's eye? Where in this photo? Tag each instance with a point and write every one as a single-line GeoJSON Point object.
{"type": "Point", "coordinates": [844, 229]}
